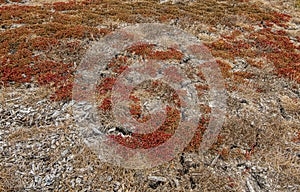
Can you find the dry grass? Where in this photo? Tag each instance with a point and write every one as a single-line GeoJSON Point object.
{"type": "Point", "coordinates": [258, 144]}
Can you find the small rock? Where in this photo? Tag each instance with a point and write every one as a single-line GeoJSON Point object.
{"type": "Point", "coordinates": [157, 178]}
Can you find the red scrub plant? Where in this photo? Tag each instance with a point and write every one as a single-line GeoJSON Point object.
{"type": "Point", "coordinates": [170, 124]}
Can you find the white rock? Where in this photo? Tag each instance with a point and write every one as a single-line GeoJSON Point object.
{"type": "Point", "coordinates": [157, 178]}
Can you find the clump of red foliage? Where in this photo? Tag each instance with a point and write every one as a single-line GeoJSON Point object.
{"type": "Point", "coordinates": [297, 138]}
{"type": "Point", "coordinates": [165, 131]}
{"type": "Point", "coordinates": [44, 32]}
{"type": "Point", "coordinates": [147, 50]}
{"type": "Point", "coordinates": [34, 50]}
{"type": "Point", "coordinates": [271, 44]}
{"type": "Point", "coordinates": [155, 138]}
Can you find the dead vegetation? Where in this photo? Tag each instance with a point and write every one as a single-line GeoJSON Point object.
{"type": "Point", "coordinates": [256, 44]}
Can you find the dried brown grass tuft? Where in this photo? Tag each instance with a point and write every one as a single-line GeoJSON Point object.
{"type": "Point", "coordinates": [259, 132]}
